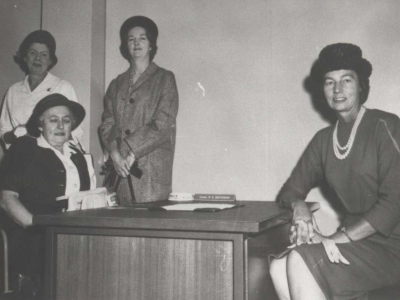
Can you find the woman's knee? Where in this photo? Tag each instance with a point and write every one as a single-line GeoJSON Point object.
{"type": "Point", "coordinates": [294, 258]}
{"type": "Point", "coordinates": [295, 262]}
{"type": "Point", "coordinates": [278, 268]}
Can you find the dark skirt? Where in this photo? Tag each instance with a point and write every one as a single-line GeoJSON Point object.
{"type": "Point", "coordinates": [374, 263]}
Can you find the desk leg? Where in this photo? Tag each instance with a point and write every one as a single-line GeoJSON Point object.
{"type": "Point", "coordinates": [257, 251]}
{"type": "Point", "coordinates": [51, 263]}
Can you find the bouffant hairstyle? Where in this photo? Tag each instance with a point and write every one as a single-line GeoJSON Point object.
{"type": "Point", "coordinates": [40, 37]}
{"type": "Point", "coordinates": [151, 32]}
{"type": "Point", "coordinates": [343, 56]}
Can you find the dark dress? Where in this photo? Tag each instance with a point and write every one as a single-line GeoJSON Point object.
{"type": "Point", "coordinates": [368, 184]}
{"type": "Point", "coordinates": [38, 176]}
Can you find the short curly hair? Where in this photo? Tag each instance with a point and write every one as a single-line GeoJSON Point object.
{"type": "Point", "coordinates": [40, 37]}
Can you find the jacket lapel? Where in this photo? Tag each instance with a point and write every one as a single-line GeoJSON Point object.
{"type": "Point", "coordinates": [123, 94]}
{"type": "Point", "coordinates": [151, 69]}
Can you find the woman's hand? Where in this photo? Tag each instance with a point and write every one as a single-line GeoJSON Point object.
{"type": "Point", "coordinates": [121, 163]}
{"type": "Point", "coordinates": [331, 249]}
{"type": "Point", "coordinates": [333, 252]}
{"type": "Point", "coordinates": [301, 224]}
{"type": "Point", "coordinates": [301, 232]}
{"type": "Point", "coordinates": [130, 158]}
{"type": "Point", "coordinates": [316, 239]}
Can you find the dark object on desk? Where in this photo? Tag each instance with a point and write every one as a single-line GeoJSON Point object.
{"type": "Point", "coordinates": [200, 206]}
{"type": "Point", "coordinates": [151, 206]}
{"type": "Point", "coordinates": [207, 209]}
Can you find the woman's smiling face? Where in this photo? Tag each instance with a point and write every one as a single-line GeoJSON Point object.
{"type": "Point", "coordinates": [342, 91]}
{"type": "Point", "coordinates": [38, 59]}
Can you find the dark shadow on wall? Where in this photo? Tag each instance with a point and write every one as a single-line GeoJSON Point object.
{"type": "Point", "coordinates": [314, 89]}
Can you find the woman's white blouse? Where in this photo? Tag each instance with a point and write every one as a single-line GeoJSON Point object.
{"type": "Point", "coordinates": [20, 102]}
{"type": "Point", "coordinates": [73, 183]}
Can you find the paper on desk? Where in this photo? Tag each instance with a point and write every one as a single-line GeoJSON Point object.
{"type": "Point", "coordinates": [193, 206]}
{"type": "Point", "coordinates": [95, 198]}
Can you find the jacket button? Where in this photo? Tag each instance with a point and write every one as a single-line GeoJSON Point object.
{"type": "Point", "coordinates": [131, 100]}
{"type": "Point", "coordinates": [127, 132]}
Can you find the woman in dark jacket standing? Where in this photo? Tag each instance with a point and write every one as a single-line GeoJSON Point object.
{"type": "Point", "coordinates": [140, 109]}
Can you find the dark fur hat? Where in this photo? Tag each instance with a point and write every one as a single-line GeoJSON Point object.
{"type": "Point", "coordinates": [341, 56]}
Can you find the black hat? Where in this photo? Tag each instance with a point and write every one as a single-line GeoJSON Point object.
{"type": "Point", "coordinates": [139, 21]}
{"type": "Point", "coordinates": [341, 56]}
{"type": "Point", "coordinates": [50, 101]}
{"type": "Point", "coordinates": [41, 37]}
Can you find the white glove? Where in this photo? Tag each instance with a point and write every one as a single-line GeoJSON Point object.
{"type": "Point", "coordinates": [333, 252]}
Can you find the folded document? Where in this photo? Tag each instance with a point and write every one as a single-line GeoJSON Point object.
{"type": "Point", "coordinates": [95, 198]}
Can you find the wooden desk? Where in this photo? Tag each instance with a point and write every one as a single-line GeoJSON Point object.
{"type": "Point", "coordinates": [124, 253]}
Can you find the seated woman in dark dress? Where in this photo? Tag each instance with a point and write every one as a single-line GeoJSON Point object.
{"type": "Point", "coordinates": [359, 157]}
{"type": "Point", "coordinates": [36, 170]}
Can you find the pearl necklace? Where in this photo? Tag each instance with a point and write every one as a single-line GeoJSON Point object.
{"type": "Point", "coordinates": [336, 146]}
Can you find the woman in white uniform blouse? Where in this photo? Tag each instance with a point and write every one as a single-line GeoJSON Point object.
{"type": "Point", "coordinates": [36, 56]}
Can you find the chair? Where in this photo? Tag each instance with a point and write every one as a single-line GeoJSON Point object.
{"type": "Point", "coordinates": [5, 252]}
{"type": "Point", "coordinates": [388, 293]}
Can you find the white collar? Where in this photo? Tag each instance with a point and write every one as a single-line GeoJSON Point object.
{"type": "Point", "coordinates": [41, 141]}
{"type": "Point", "coordinates": [42, 85]}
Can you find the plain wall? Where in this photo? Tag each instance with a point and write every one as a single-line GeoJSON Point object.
{"type": "Point", "coordinates": [245, 117]}
{"type": "Point", "coordinates": [79, 29]}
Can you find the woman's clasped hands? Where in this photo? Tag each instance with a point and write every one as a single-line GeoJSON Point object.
{"type": "Point", "coordinates": [122, 164]}
{"type": "Point", "coordinates": [304, 232]}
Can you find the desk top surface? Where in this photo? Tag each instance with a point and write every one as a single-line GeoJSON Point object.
{"type": "Point", "coordinates": [252, 217]}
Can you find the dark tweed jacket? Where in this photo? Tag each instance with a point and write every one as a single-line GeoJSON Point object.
{"type": "Point", "coordinates": [144, 121]}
